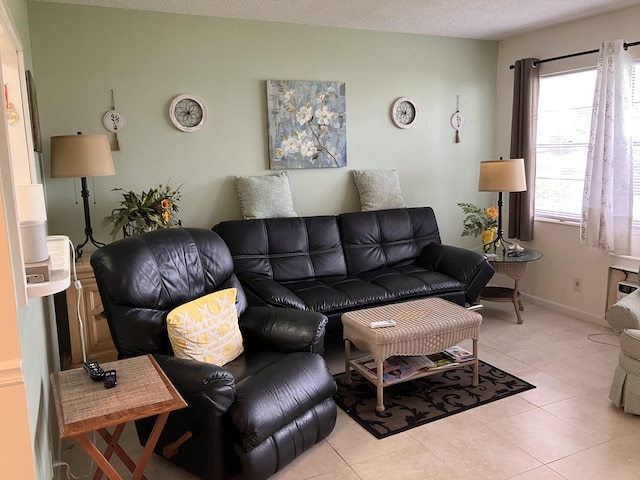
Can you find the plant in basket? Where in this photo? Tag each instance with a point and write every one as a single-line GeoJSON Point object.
{"type": "Point", "coordinates": [145, 211]}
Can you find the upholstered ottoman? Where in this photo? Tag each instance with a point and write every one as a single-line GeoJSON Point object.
{"type": "Point", "coordinates": [625, 388]}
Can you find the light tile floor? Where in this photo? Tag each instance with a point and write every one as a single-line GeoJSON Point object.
{"type": "Point", "coordinates": [566, 428]}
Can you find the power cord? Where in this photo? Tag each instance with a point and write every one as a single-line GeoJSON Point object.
{"type": "Point", "coordinates": [69, 473]}
{"type": "Point", "coordinates": [600, 335]}
{"type": "Point", "coordinates": [78, 287]}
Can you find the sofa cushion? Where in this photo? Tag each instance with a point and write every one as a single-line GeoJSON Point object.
{"type": "Point", "coordinates": [385, 238]}
{"type": "Point", "coordinates": [285, 249]}
{"type": "Point", "coordinates": [378, 189]}
{"type": "Point", "coordinates": [265, 196]}
{"type": "Point", "coordinates": [337, 294]}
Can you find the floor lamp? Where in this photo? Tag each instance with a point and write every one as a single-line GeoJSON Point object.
{"type": "Point", "coordinates": [83, 156]}
{"type": "Point", "coordinates": [502, 176]}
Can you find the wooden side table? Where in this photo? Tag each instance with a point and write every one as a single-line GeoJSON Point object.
{"type": "Point", "coordinates": [84, 406]}
{"type": "Point", "coordinates": [514, 268]}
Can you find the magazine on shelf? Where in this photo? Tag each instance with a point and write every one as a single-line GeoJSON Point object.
{"type": "Point", "coordinates": [441, 360]}
{"type": "Point", "coordinates": [419, 362]}
{"type": "Point", "coordinates": [459, 353]}
{"type": "Point", "coordinates": [394, 369]}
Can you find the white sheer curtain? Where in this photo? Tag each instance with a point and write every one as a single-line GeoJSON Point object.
{"type": "Point", "coordinates": [607, 203]}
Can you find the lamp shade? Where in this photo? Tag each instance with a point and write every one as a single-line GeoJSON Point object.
{"type": "Point", "coordinates": [81, 156]}
{"type": "Point", "coordinates": [502, 176]}
{"type": "Point", "coordinates": [30, 200]}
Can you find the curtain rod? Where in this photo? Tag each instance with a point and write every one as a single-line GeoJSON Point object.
{"type": "Point", "coordinates": [578, 54]}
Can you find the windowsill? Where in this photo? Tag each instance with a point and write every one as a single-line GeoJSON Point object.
{"type": "Point", "coordinates": [568, 223]}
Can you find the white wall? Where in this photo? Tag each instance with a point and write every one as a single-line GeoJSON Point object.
{"type": "Point", "coordinates": [80, 53]}
{"type": "Point", "coordinates": [551, 278]}
{"type": "Point", "coordinates": [29, 345]}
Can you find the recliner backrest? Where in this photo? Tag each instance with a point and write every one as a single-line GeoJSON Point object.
{"type": "Point", "coordinates": [141, 279]}
{"type": "Point", "coordinates": [385, 238]}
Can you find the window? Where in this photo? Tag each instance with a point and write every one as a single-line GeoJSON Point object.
{"type": "Point", "coordinates": [564, 121]}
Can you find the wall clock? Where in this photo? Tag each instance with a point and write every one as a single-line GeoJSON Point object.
{"type": "Point", "coordinates": [404, 112]}
{"type": "Point", "coordinates": [188, 113]}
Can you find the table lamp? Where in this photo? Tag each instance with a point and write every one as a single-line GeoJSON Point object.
{"type": "Point", "coordinates": [502, 176]}
{"type": "Point", "coordinates": [32, 213]}
{"type": "Point", "coordinates": [82, 156]}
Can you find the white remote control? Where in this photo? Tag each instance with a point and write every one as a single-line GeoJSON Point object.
{"type": "Point", "coordinates": [383, 323]}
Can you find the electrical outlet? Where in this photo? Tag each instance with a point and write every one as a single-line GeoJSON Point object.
{"type": "Point", "coordinates": [577, 284]}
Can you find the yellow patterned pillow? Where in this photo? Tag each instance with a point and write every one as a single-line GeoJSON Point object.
{"type": "Point", "coordinates": [206, 329]}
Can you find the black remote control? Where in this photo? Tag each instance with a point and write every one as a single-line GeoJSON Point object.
{"type": "Point", "coordinates": [94, 370]}
{"type": "Point", "coordinates": [110, 379]}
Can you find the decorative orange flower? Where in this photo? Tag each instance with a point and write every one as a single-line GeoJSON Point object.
{"type": "Point", "coordinates": [166, 203]}
{"type": "Point", "coordinates": [478, 219]}
{"type": "Point", "coordinates": [492, 212]}
{"type": "Point", "coordinates": [166, 216]}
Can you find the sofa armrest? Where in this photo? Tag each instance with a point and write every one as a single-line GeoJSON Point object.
{"type": "Point", "coordinates": [466, 266]}
{"type": "Point", "coordinates": [283, 329]}
{"type": "Point", "coordinates": [625, 313]}
{"type": "Point", "coordinates": [270, 291]}
{"type": "Point", "coordinates": [199, 380]}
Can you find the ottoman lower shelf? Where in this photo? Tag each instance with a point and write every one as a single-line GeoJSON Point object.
{"type": "Point", "coordinates": [373, 378]}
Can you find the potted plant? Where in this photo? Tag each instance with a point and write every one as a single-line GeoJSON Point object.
{"type": "Point", "coordinates": [479, 221]}
{"type": "Point", "coordinates": [146, 211]}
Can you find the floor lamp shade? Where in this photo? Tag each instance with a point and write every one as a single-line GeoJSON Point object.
{"type": "Point", "coordinates": [81, 156]}
{"type": "Point", "coordinates": [502, 176]}
{"type": "Point", "coordinates": [32, 213]}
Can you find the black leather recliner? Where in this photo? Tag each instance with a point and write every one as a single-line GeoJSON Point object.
{"type": "Point", "coordinates": [249, 418]}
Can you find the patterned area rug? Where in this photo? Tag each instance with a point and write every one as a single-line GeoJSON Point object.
{"type": "Point", "coordinates": [423, 400]}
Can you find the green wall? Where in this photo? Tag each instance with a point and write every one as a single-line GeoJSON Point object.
{"type": "Point", "coordinates": [80, 53]}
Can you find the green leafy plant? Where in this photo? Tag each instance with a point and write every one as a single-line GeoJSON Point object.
{"type": "Point", "coordinates": [478, 219]}
{"type": "Point", "coordinates": [146, 211]}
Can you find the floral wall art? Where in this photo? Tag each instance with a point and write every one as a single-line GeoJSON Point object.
{"type": "Point", "coordinates": [307, 124]}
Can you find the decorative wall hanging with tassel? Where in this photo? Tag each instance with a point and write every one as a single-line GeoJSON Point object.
{"type": "Point", "coordinates": [114, 121]}
{"type": "Point", "coordinates": [457, 120]}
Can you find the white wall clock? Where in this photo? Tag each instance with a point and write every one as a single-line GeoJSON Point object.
{"type": "Point", "coordinates": [188, 113]}
{"type": "Point", "coordinates": [404, 112]}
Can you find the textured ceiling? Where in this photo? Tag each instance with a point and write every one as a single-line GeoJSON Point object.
{"type": "Point", "coordinates": [479, 19]}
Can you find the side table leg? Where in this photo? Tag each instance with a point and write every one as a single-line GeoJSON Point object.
{"type": "Point", "coordinates": [102, 463]}
{"type": "Point", "coordinates": [113, 446]}
{"type": "Point", "coordinates": [379, 386]}
{"type": "Point", "coordinates": [475, 364]}
{"type": "Point", "coordinates": [517, 303]}
{"type": "Point", "coordinates": [138, 474]}
{"type": "Point", "coordinates": [347, 357]}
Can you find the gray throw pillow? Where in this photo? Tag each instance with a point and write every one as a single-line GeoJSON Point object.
{"type": "Point", "coordinates": [266, 196]}
{"type": "Point", "coordinates": [378, 189]}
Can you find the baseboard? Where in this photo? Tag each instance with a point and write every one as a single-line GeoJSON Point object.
{"type": "Point", "coordinates": [11, 373]}
{"type": "Point", "coordinates": [572, 312]}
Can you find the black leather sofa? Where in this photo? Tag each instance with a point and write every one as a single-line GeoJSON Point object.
{"type": "Point", "coordinates": [249, 418]}
{"type": "Point", "coordinates": [334, 264]}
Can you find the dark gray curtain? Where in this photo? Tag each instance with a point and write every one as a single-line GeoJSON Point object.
{"type": "Point", "coordinates": [524, 123]}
